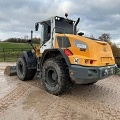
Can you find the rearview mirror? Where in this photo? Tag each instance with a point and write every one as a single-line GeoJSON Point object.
{"type": "Point", "coordinates": [36, 26]}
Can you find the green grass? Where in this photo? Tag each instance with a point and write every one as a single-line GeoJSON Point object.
{"type": "Point", "coordinates": [11, 51]}
{"type": "Point", "coordinates": [13, 59]}
{"type": "Point", "coordinates": [6, 45]}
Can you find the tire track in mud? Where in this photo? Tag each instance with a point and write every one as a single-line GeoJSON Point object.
{"type": "Point", "coordinates": [102, 111]}
{"type": "Point", "coordinates": [112, 85]}
{"type": "Point", "coordinates": [89, 101]}
{"type": "Point", "coordinates": [62, 109]}
{"type": "Point", "coordinates": [84, 102]}
{"type": "Point", "coordinates": [68, 110]}
{"type": "Point", "coordinates": [10, 98]}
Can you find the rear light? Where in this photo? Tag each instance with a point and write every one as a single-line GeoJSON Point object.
{"type": "Point", "coordinates": [68, 52]}
{"type": "Point", "coordinates": [91, 61]}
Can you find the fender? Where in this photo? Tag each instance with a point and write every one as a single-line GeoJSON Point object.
{"type": "Point", "coordinates": [49, 52]}
{"type": "Point", "coordinates": [30, 59]}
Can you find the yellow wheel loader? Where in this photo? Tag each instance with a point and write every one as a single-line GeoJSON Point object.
{"type": "Point", "coordinates": [65, 57]}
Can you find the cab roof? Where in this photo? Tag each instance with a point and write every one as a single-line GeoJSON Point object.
{"type": "Point", "coordinates": [57, 18]}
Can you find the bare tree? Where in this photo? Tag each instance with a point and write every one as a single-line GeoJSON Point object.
{"type": "Point", "coordinates": [105, 37]}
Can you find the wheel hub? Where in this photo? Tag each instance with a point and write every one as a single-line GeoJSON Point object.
{"type": "Point", "coordinates": [52, 77]}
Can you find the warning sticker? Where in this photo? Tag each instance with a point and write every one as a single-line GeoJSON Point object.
{"type": "Point", "coordinates": [76, 60]}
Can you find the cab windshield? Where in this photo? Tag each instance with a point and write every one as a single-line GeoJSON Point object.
{"type": "Point", "coordinates": [63, 25]}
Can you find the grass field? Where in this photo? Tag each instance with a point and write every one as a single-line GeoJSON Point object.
{"type": "Point", "coordinates": [11, 51]}
{"type": "Point", "coordinates": [6, 45]}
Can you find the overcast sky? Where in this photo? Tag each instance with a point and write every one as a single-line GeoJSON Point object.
{"type": "Point", "coordinates": [17, 17]}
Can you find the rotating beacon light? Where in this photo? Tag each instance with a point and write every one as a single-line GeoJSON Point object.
{"type": "Point", "coordinates": [66, 14]}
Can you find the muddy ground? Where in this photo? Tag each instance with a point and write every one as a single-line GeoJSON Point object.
{"type": "Point", "coordinates": [29, 101]}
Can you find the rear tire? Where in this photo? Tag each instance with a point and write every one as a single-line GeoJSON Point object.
{"type": "Point", "coordinates": [23, 72]}
{"type": "Point", "coordinates": [55, 76]}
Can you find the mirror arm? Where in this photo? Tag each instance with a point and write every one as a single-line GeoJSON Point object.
{"type": "Point", "coordinates": [30, 41]}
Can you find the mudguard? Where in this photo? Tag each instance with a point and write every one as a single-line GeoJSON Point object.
{"type": "Point", "coordinates": [53, 51]}
{"type": "Point", "coordinates": [30, 59]}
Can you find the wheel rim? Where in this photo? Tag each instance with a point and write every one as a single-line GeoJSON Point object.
{"type": "Point", "coordinates": [51, 77]}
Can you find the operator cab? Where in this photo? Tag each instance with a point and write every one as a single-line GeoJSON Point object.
{"type": "Point", "coordinates": [52, 26]}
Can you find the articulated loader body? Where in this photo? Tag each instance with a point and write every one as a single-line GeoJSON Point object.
{"type": "Point", "coordinates": [66, 57]}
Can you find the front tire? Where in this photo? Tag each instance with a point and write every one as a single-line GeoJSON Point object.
{"type": "Point", "coordinates": [55, 76]}
{"type": "Point", "coordinates": [23, 72]}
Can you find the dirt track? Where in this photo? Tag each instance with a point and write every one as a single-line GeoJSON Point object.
{"type": "Point", "coordinates": [28, 101]}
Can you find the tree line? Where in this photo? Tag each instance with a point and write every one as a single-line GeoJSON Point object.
{"type": "Point", "coordinates": [22, 40]}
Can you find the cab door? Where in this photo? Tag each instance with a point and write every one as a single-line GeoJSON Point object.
{"type": "Point", "coordinates": [45, 36]}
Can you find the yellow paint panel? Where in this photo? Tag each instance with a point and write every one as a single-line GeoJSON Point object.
{"type": "Point", "coordinates": [98, 52]}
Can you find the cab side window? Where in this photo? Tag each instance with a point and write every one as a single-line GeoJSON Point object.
{"type": "Point", "coordinates": [47, 31]}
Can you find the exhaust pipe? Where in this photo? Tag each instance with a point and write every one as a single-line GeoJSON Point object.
{"type": "Point", "coordinates": [76, 25]}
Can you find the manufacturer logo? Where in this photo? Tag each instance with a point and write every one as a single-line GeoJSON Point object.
{"type": "Point", "coordinates": [79, 44]}
{"type": "Point", "coordinates": [82, 46]}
